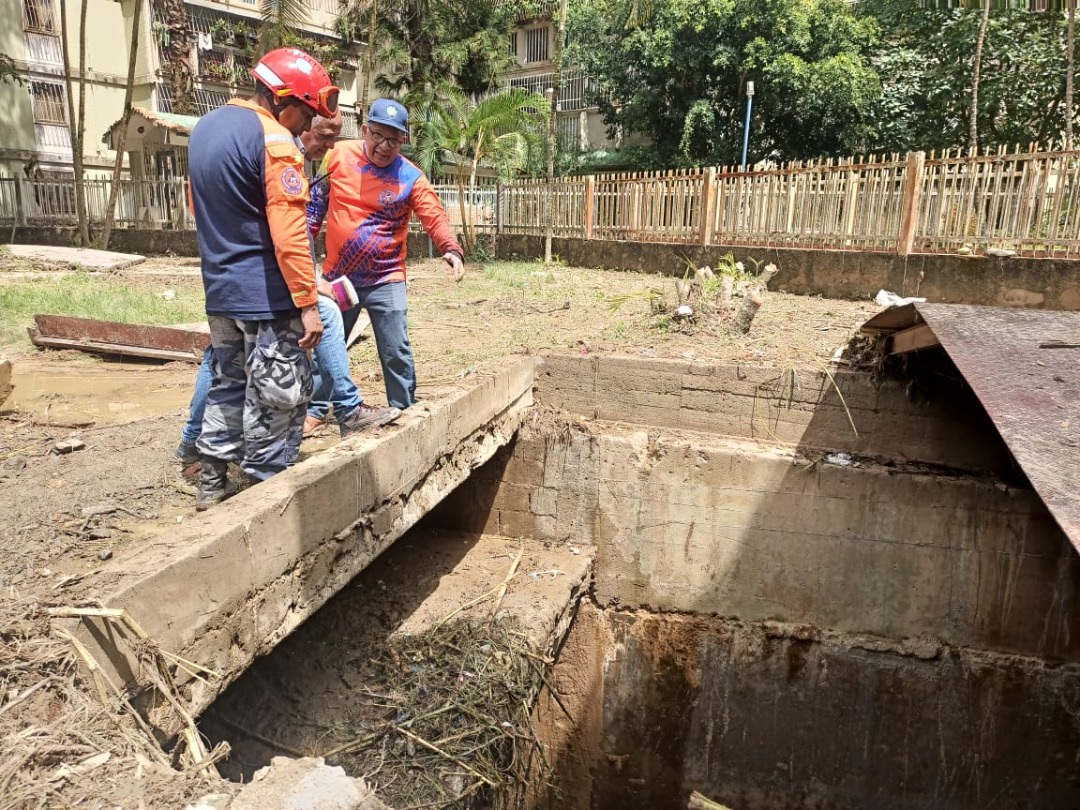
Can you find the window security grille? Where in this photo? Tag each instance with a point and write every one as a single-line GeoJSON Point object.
{"type": "Point", "coordinates": [49, 104]}
{"type": "Point", "coordinates": [536, 45]}
{"type": "Point", "coordinates": [40, 17]}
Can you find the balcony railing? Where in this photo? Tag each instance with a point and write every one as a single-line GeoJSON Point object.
{"type": "Point", "coordinates": [577, 90]}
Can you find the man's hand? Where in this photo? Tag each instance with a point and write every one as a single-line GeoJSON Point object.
{"type": "Point", "coordinates": [454, 266]}
{"type": "Point", "coordinates": [313, 327]}
{"type": "Point", "coordinates": [324, 288]}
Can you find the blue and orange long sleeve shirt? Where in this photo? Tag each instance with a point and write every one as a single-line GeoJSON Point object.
{"type": "Point", "coordinates": [367, 209]}
{"type": "Point", "coordinates": [250, 196]}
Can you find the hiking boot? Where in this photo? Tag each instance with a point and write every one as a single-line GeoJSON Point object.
{"type": "Point", "coordinates": [313, 425]}
{"type": "Point", "coordinates": [213, 483]}
{"type": "Point", "coordinates": [186, 453]}
{"type": "Point", "coordinates": [367, 416]}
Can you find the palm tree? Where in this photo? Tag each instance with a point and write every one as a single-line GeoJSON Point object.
{"type": "Point", "coordinates": [281, 19]}
{"type": "Point", "coordinates": [498, 130]}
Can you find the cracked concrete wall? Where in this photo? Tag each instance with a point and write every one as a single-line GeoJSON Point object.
{"type": "Point", "coordinates": [906, 631]}
{"type": "Point", "coordinates": [811, 410]}
{"type": "Point", "coordinates": [764, 716]}
{"type": "Point", "coordinates": [699, 522]}
{"type": "Point", "coordinates": [710, 525]}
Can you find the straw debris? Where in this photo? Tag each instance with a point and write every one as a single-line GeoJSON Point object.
{"type": "Point", "coordinates": [455, 729]}
{"type": "Point", "coordinates": [69, 735]}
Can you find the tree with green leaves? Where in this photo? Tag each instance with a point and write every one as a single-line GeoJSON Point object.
{"type": "Point", "coordinates": [927, 67]}
{"type": "Point", "coordinates": [281, 20]}
{"type": "Point", "coordinates": [8, 71]}
{"type": "Point", "coordinates": [498, 130]}
{"type": "Point", "coordinates": [676, 71]}
{"type": "Point", "coordinates": [1070, 70]}
{"type": "Point", "coordinates": [429, 41]}
{"type": "Point", "coordinates": [359, 19]}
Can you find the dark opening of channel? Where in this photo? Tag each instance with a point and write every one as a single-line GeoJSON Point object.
{"type": "Point", "coordinates": [646, 703]}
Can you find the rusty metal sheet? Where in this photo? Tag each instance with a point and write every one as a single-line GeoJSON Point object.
{"type": "Point", "coordinates": [187, 342]}
{"type": "Point", "coordinates": [1024, 366]}
{"type": "Point", "coordinates": [891, 320]}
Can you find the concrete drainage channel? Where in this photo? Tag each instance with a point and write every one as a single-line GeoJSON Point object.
{"type": "Point", "coordinates": [725, 588]}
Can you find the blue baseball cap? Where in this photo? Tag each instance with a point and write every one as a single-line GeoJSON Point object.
{"type": "Point", "coordinates": [389, 112]}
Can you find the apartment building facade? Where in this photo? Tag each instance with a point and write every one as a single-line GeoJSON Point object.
{"type": "Point", "coordinates": [35, 137]}
{"type": "Point", "coordinates": [580, 125]}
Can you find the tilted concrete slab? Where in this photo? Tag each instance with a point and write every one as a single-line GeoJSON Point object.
{"type": "Point", "coordinates": [232, 582]}
{"type": "Point", "coordinates": [539, 598]}
{"type": "Point", "coordinates": [89, 258]}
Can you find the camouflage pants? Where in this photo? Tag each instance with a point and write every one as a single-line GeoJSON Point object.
{"type": "Point", "coordinates": [255, 408]}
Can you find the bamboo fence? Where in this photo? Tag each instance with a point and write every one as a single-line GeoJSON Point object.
{"type": "Point", "coordinates": [1022, 200]}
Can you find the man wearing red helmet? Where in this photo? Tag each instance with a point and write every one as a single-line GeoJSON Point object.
{"type": "Point", "coordinates": [249, 195]}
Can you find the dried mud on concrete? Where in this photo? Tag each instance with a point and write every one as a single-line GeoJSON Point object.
{"type": "Point", "coordinates": [67, 518]}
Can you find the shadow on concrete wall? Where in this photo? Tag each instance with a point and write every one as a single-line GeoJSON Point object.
{"type": "Point", "coordinates": [839, 619]}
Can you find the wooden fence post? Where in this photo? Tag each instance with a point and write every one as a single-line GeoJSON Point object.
{"type": "Point", "coordinates": [909, 202]}
{"type": "Point", "coordinates": [590, 204]}
{"type": "Point", "coordinates": [708, 206]}
{"type": "Point", "coordinates": [20, 212]}
{"type": "Point", "coordinates": [498, 208]}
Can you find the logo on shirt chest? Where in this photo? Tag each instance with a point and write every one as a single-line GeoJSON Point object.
{"type": "Point", "coordinates": [292, 181]}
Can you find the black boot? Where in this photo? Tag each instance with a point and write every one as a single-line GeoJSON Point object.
{"type": "Point", "coordinates": [213, 483]}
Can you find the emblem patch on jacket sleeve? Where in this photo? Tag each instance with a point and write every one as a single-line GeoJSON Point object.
{"type": "Point", "coordinates": [292, 181]}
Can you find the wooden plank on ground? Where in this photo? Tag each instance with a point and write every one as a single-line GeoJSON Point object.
{"type": "Point", "coordinates": [361, 325]}
{"type": "Point", "coordinates": [97, 347]}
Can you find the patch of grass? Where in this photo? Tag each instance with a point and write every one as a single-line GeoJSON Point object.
{"type": "Point", "coordinates": [87, 295]}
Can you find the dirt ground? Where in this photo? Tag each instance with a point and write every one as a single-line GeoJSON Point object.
{"type": "Point", "coordinates": [63, 515]}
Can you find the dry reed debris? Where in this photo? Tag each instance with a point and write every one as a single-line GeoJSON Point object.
{"type": "Point", "coordinates": [69, 735]}
{"type": "Point", "coordinates": [457, 728]}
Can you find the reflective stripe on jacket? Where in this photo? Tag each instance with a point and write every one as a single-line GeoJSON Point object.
{"type": "Point", "coordinates": [250, 197]}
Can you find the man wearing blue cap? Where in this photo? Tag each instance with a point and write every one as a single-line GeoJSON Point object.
{"type": "Point", "coordinates": [369, 195]}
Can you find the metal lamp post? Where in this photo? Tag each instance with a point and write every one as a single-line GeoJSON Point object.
{"type": "Point", "coordinates": [434, 166]}
{"type": "Point", "coordinates": [549, 93]}
{"type": "Point", "coordinates": [746, 129]}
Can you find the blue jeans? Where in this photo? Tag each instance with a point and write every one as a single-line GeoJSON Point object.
{"type": "Point", "coordinates": [203, 380]}
{"type": "Point", "coordinates": [389, 312]}
{"type": "Point", "coordinates": [333, 381]}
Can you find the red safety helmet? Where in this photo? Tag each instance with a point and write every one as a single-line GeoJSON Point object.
{"type": "Point", "coordinates": [289, 72]}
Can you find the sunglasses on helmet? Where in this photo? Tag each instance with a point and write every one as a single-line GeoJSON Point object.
{"type": "Point", "coordinates": [325, 102]}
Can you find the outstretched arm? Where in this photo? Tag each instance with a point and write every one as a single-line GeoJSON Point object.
{"type": "Point", "coordinates": [425, 202]}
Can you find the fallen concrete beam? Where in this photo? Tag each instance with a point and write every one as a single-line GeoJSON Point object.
{"type": "Point", "coordinates": [234, 581]}
{"type": "Point", "coordinates": [87, 258]}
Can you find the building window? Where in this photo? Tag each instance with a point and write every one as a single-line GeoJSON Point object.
{"type": "Point", "coordinates": [513, 44]}
{"type": "Point", "coordinates": [536, 45]}
{"type": "Point", "coordinates": [207, 100]}
{"type": "Point", "coordinates": [49, 104]}
{"type": "Point", "coordinates": [40, 17]}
